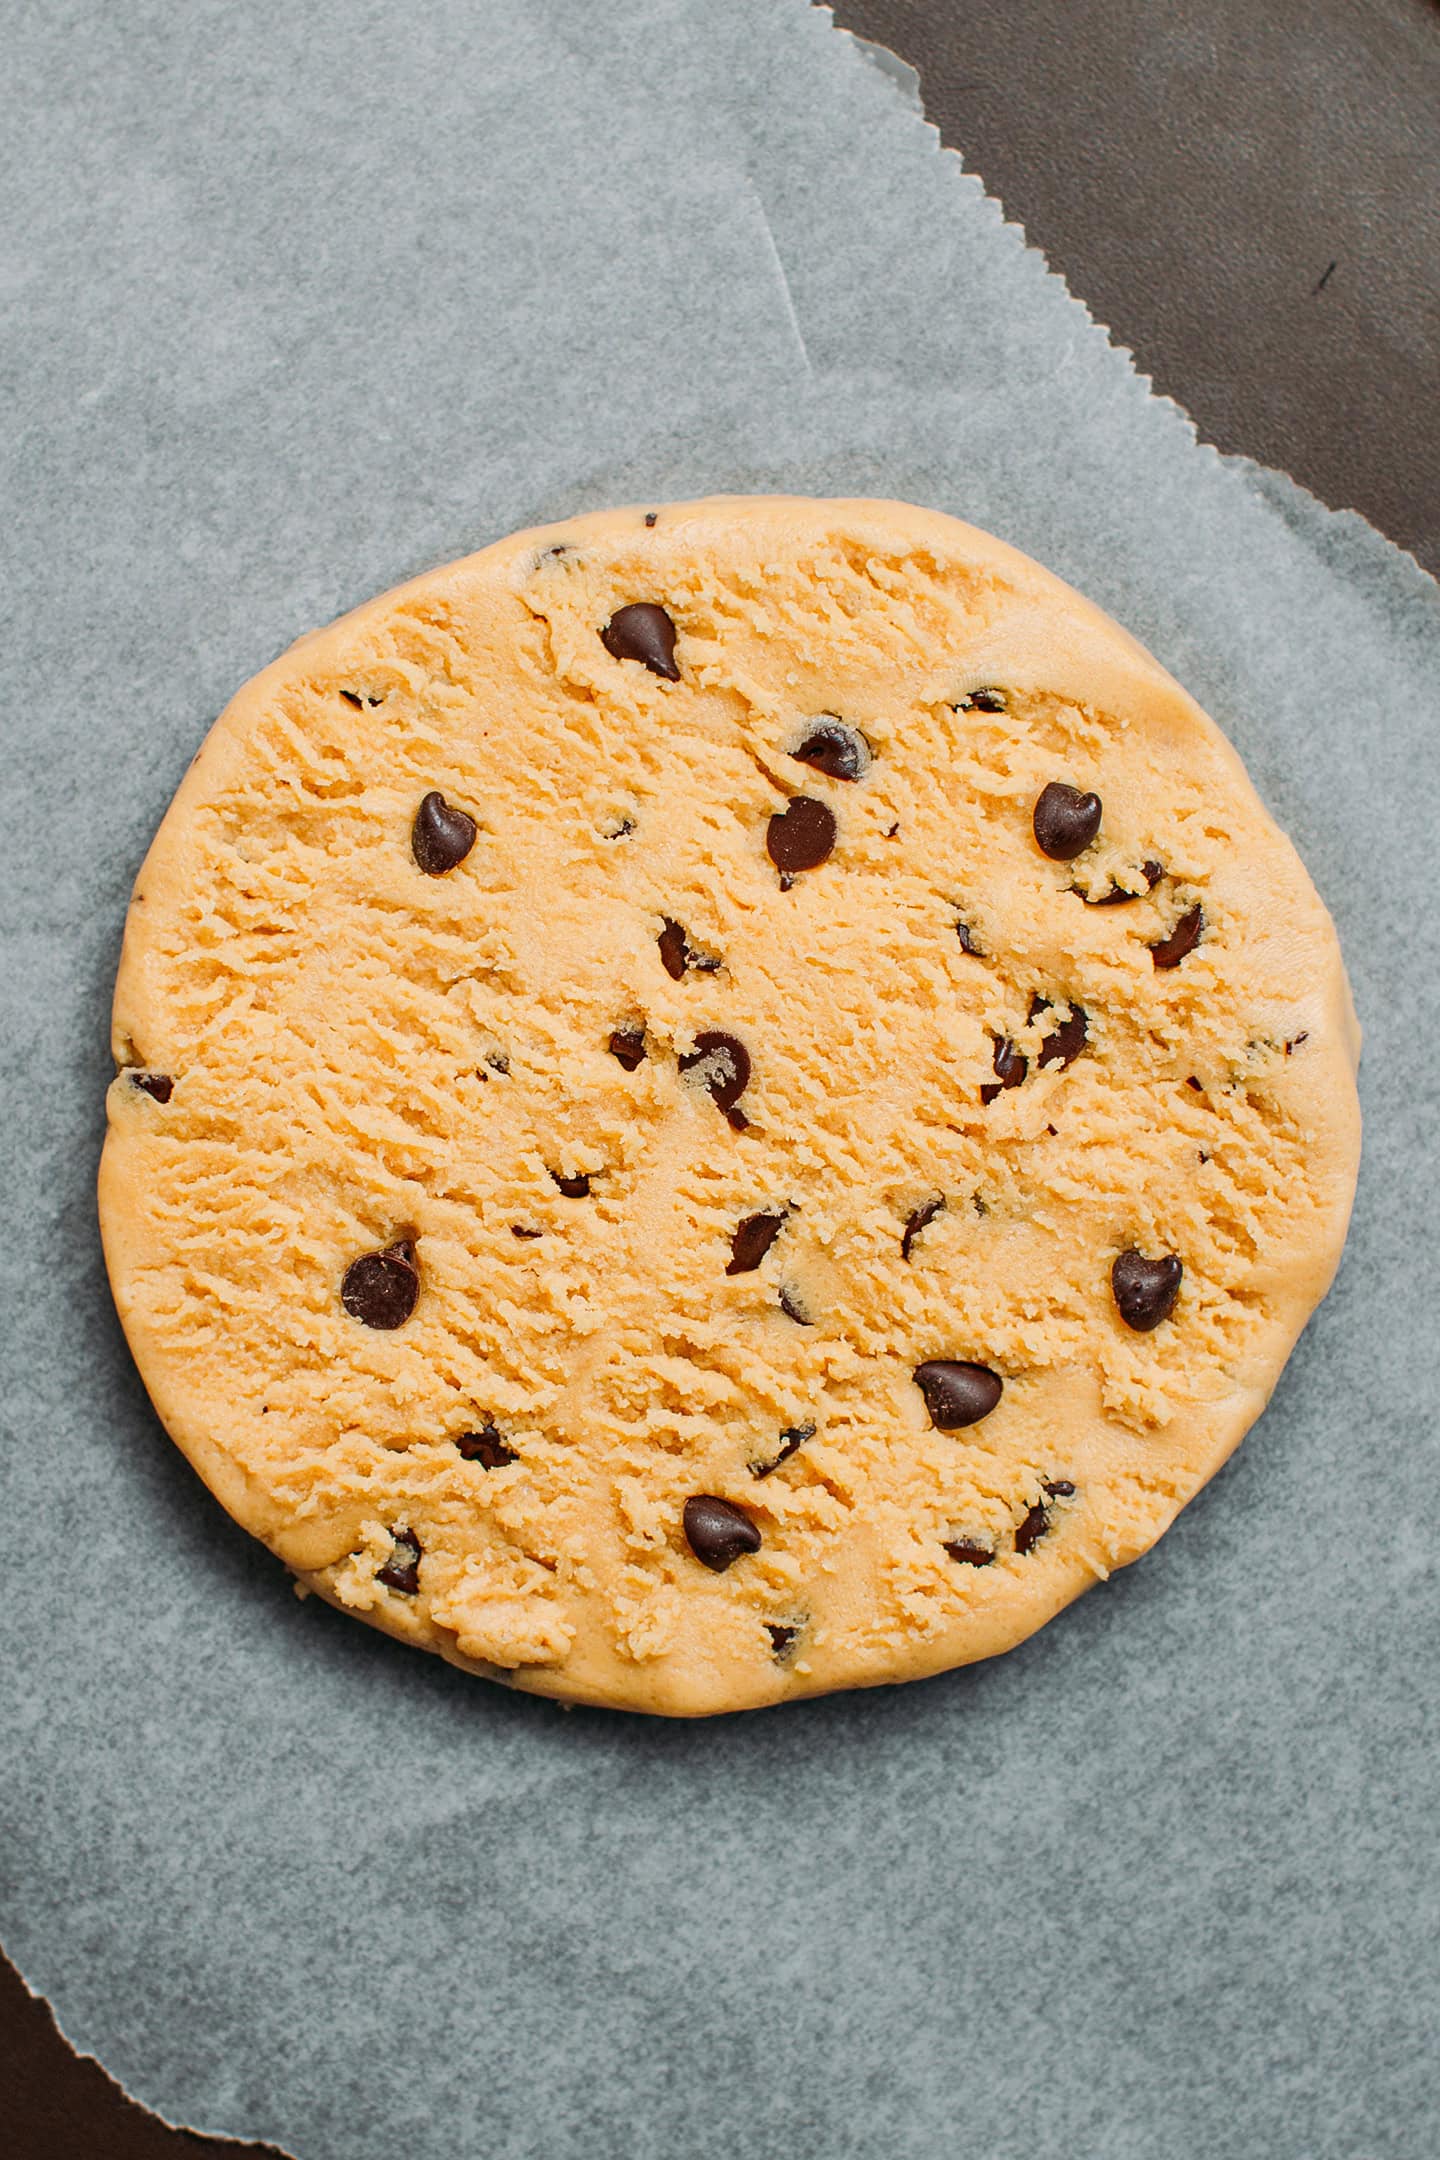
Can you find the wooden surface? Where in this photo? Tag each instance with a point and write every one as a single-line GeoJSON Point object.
{"type": "Point", "coordinates": [1247, 192]}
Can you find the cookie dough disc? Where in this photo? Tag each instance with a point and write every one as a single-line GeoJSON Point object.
{"type": "Point", "coordinates": [721, 1103]}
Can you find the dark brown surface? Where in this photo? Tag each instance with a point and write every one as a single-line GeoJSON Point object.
{"type": "Point", "coordinates": [55, 2105]}
{"type": "Point", "coordinates": [1248, 193]}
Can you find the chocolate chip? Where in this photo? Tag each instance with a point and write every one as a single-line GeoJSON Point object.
{"type": "Point", "coordinates": [967, 940]}
{"type": "Point", "coordinates": [718, 1532]}
{"type": "Point", "coordinates": [1065, 821]}
{"type": "Point", "coordinates": [782, 1638]}
{"type": "Point", "coordinates": [627, 1047]}
{"type": "Point", "coordinates": [1065, 1044]}
{"type": "Point", "coordinates": [1295, 1041]}
{"type": "Point", "coordinates": [1198, 1085]}
{"type": "Point", "coordinates": [643, 631]}
{"type": "Point", "coordinates": [677, 953]}
{"type": "Point", "coordinates": [1010, 1069]}
{"type": "Point", "coordinates": [751, 1241]}
{"type": "Point", "coordinates": [574, 1188]}
{"type": "Point", "coordinates": [833, 748]}
{"type": "Point", "coordinates": [402, 1570]}
{"type": "Point", "coordinates": [800, 837]}
{"type": "Point", "coordinates": [651, 516]}
{"type": "Point", "coordinates": [918, 1221]}
{"type": "Point", "coordinates": [441, 837]}
{"type": "Point", "coordinates": [988, 699]}
{"type": "Point", "coordinates": [794, 1438]}
{"type": "Point", "coordinates": [1060, 1488]}
{"type": "Point", "coordinates": [969, 1552]}
{"type": "Point", "coordinates": [497, 1061]}
{"type": "Point", "coordinates": [158, 1085]}
{"type": "Point", "coordinates": [674, 951]}
{"type": "Point", "coordinates": [792, 1308]}
{"type": "Point", "coordinates": [1033, 1528]}
{"type": "Point", "coordinates": [380, 1288]}
{"type": "Point", "coordinates": [486, 1447]}
{"type": "Point", "coordinates": [1145, 1290]}
{"type": "Point", "coordinates": [1152, 872]}
{"type": "Point", "coordinates": [722, 1065]}
{"type": "Point", "coordinates": [519, 1230]}
{"type": "Point", "coordinates": [351, 699]}
{"type": "Point", "coordinates": [1182, 939]}
{"type": "Point", "coordinates": [958, 1394]}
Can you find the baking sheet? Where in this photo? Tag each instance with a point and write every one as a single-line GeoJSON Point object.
{"type": "Point", "coordinates": [299, 301]}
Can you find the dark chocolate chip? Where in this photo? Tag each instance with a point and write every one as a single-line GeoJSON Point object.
{"type": "Point", "coordinates": [1065, 821]}
{"type": "Point", "coordinates": [1145, 1290]}
{"type": "Point", "coordinates": [1182, 939]}
{"type": "Point", "coordinates": [497, 1061]}
{"type": "Point", "coordinates": [441, 836]}
{"type": "Point", "coordinates": [751, 1241]}
{"type": "Point", "coordinates": [988, 699]}
{"type": "Point", "coordinates": [158, 1085]}
{"type": "Point", "coordinates": [958, 1394]}
{"type": "Point", "coordinates": [627, 1047]}
{"type": "Point", "coordinates": [651, 516]}
{"type": "Point", "coordinates": [1060, 1488]}
{"type": "Point", "coordinates": [792, 1308]}
{"type": "Point", "coordinates": [782, 1638]}
{"type": "Point", "coordinates": [1010, 1069]}
{"type": "Point", "coordinates": [1033, 1528]}
{"type": "Point", "coordinates": [967, 940]}
{"type": "Point", "coordinates": [833, 748]}
{"type": "Point", "coordinates": [351, 699]}
{"type": "Point", "coordinates": [677, 953]}
{"type": "Point", "coordinates": [486, 1447]}
{"type": "Point", "coordinates": [674, 952]}
{"type": "Point", "coordinates": [969, 1552]}
{"type": "Point", "coordinates": [718, 1532]}
{"type": "Point", "coordinates": [790, 1440]}
{"type": "Point", "coordinates": [1152, 872]}
{"type": "Point", "coordinates": [380, 1288]}
{"type": "Point", "coordinates": [800, 837]}
{"type": "Point", "coordinates": [519, 1230]}
{"type": "Point", "coordinates": [1295, 1041]}
{"type": "Point", "coordinates": [722, 1064]}
{"type": "Point", "coordinates": [643, 631]}
{"type": "Point", "coordinates": [918, 1221]}
{"type": "Point", "coordinates": [402, 1570]}
{"type": "Point", "coordinates": [1068, 1040]}
{"type": "Point", "coordinates": [1198, 1085]}
{"type": "Point", "coordinates": [574, 1188]}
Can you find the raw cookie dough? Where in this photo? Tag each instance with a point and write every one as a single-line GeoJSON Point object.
{"type": "Point", "coordinates": [721, 1102]}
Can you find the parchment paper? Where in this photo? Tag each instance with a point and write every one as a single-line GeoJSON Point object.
{"type": "Point", "coordinates": [300, 300]}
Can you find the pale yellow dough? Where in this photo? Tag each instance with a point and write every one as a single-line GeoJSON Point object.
{"type": "Point", "coordinates": [335, 1024]}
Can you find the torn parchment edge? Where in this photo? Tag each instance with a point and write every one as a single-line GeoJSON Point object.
{"type": "Point", "coordinates": [1277, 491]}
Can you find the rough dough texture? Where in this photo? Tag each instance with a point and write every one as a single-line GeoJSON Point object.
{"type": "Point", "coordinates": [361, 1054]}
